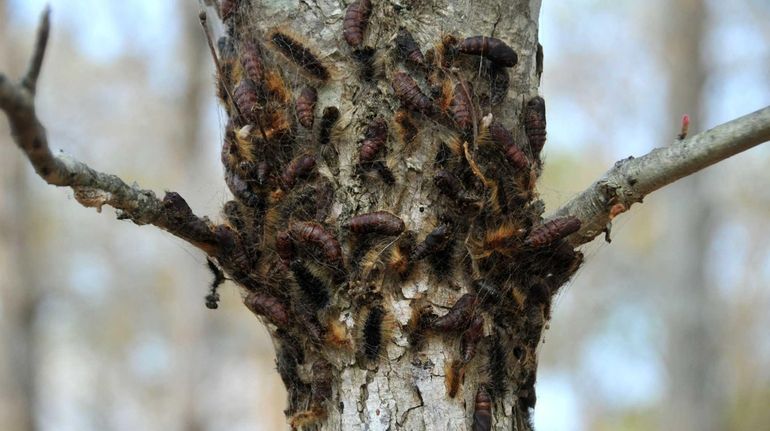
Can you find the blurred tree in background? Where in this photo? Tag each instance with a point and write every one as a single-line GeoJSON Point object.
{"type": "Point", "coordinates": [97, 324]}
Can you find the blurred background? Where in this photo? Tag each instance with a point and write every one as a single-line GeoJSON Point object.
{"type": "Point", "coordinates": [103, 324]}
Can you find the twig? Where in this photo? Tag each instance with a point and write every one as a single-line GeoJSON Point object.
{"type": "Point", "coordinates": [631, 179]}
{"type": "Point", "coordinates": [92, 188]}
{"type": "Point", "coordinates": [44, 29]}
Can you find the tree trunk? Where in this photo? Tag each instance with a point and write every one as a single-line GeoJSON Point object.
{"type": "Point", "coordinates": [693, 398]}
{"type": "Point", "coordinates": [423, 375]}
{"type": "Point", "coordinates": [21, 296]}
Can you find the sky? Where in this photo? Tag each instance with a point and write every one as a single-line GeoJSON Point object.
{"type": "Point", "coordinates": [620, 357]}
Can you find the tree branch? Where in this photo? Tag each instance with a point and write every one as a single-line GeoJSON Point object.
{"type": "Point", "coordinates": [631, 179]}
{"type": "Point", "coordinates": [92, 188]}
{"type": "Point", "coordinates": [30, 79]}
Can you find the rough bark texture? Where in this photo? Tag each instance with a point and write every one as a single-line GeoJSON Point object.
{"type": "Point", "coordinates": [403, 386]}
{"type": "Point", "coordinates": [426, 316]}
{"type": "Point", "coordinates": [631, 179]}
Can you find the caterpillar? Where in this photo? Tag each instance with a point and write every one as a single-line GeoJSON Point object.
{"type": "Point", "coordinates": [355, 22]}
{"type": "Point", "coordinates": [305, 106]}
{"type": "Point", "coordinates": [375, 137]}
{"type": "Point", "coordinates": [435, 241]}
{"type": "Point", "coordinates": [482, 410]}
{"type": "Point", "coordinates": [300, 55]}
{"type": "Point", "coordinates": [534, 124]}
{"type": "Point", "coordinates": [300, 167]}
{"type": "Point", "coordinates": [378, 222]}
{"type": "Point", "coordinates": [313, 234]}
{"type": "Point", "coordinates": [408, 47]}
{"type": "Point", "coordinates": [551, 231]}
{"type": "Point", "coordinates": [493, 49]}
{"type": "Point", "coordinates": [410, 94]}
{"type": "Point", "coordinates": [458, 316]}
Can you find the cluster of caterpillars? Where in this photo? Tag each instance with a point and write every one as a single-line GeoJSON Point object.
{"type": "Point", "coordinates": [302, 266]}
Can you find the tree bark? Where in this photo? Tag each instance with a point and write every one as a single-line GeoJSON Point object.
{"type": "Point", "coordinates": [427, 316]}
{"type": "Point", "coordinates": [405, 388]}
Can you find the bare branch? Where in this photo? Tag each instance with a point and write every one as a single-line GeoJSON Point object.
{"type": "Point", "coordinates": [92, 188]}
{"type": "Point", "coordinates": [30, 79]}
{"type": "Point", "coordinates": [631, 179]}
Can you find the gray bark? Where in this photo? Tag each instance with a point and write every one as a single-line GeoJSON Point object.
{"type": "Point", "coordinates": [407, 390]}
{"type": "Point", "coordinates": [403, 386]}
{"type": "Point", "coordinates": [631, 179]}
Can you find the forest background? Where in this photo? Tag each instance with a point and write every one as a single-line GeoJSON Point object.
{"type": "Point", "coordinates": [103, 324]}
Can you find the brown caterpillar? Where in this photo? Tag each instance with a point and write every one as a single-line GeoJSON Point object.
{"type": "Point", "coordinates": [451, 187]}
{"type": "Point", "coordinates": [406, 125]}
{"type": "Point", "coordinates": [327, 150]}
{"type": "Point", "coordinates": [517, 158]}
{"type": "Point", "coordinates": [371, 63]}
{"type": "Point", "coordinates": [336, 333]}
{"type": "Point", "coordinates": [385, 173]}
{"type": "Point", "coordinates": [313, 289]}
{"type": "Point", "coordinates": [306, 106]}
{"type": "Point", "coordinates": [247, 226]}
{"type": "Point", "coordinates": [482, 410]}
{"type": "Point", "coordinates": [284, 247]}
{"type": "Point", "coordinates": [300, 167]}
{"type": "Point", "coordinates": [300, 55]}
{"type": "Point", "coordinates": [241, 190]}
{"type": "Point", "coordinates": [378, 222]}
{"type": "Point", "coordinates": [551, 231]}
{"type": "Point", "coordinates": [458, 316]}
{"type": "Point", "coordinates": [435, 241]}
{"type": "Point", "coordinates": [461, 106]}
{"type": "Point", "coordinates": [262, 173]}
{"type": "Point", "coordinates": [324, 201]}
{"type": "Point", "coordinates": [248, 99]}
{"type": "Point", "coordinates": [454, 373]}
{"type": "Point", "coordinates": [410, 94]}
{"type": "Point", "coordinates": [513, 153]}
{"type": "Point", "coordinates": [534, 124]}
{"type": "Point", "coordinates": [268, 306]}
{"type": "Point", "coordinates": [500, 134]}
{"type": "Point", "coordinates": [375, 137]}
{"type": "Point", "coordinates": [498, 365]}
{"type": "Point", "coordinates": [274, 85]}
{"type": "Point", "coordinates": [355, 22]}
{"type": "Point", "coordinates": [399, 262]}
{"type": "Point", "coordinates": [373, 335]}
{"type": "Point", "coordinates": [237, 152]}
{"type": "Point", "coordinates": [501, 238]}
{"type": "Point", "coordinates": [313, 234]}
{"type": "Point", "coordinates": [498, 84]}
{"type": "Point", "coordinates": [539, 292]}
{"type": "Point", "coordinates": [251, 60]}
{"type": "Point", "coordinates": [408, 47]}
{"type": "Point", "coordinates": [329, 118]}
{"type": "Point", "coordinates": [493, 49]}
{"type": "Point", "coordinates": [469, 341]}
{"type": "Point", "coordinates": [419, 322]}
